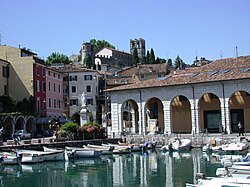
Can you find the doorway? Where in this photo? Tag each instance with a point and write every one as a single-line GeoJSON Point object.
{"type": "Point", "coordinates": [236, 116]}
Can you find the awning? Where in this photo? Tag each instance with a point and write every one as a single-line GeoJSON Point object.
{"type": "Point", "coordinates": [43, 120]}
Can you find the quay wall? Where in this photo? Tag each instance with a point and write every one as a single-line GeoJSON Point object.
{"type": "Point", "coordinates": [198, 141]}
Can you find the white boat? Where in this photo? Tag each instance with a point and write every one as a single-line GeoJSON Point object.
{"type": "Point", "coordinates": [78, 152]}
{"type": "Point", "coordinates": [242, 181]}
{"type": "Point", "coordinates": [240, 147]}
{"type": "Point", "coordinates": [103, 149]}
{"type": "Point", "coordinates": [10, 158]}
{"type": "Point", "coordinates": [178, 145]}
{"type": "Point", "coordinates": [135, 147]}
{"type": "Point", "coordinates": [29, 157]}
{"type": "Point", "coordinates": [119, 149]}
{"type": "Point", "coordinates": [60, 154]}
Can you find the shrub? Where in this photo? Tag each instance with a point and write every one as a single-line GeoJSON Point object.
{"type": "Point", "coordinates": [89, 129]}
{"type": "Point", "coordinates": [70, 127]}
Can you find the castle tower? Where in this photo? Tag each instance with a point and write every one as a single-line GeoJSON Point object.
{"type": "Point", "coordinates": [87, 50]}
{"type": "Point", "coordinates": [140, 45]}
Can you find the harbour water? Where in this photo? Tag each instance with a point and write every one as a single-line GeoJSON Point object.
{"type": "Point", "coordinates": [148, 169]}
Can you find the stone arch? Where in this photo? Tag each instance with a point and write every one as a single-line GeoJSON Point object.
{"type": "Point", "coordinates": [130, 116]}
{"type": "Point", "coordinates": [8, 126]}
{"type": "Point", "coordinates": [154, 115]}
{"type": "Point", "coordinates": [20, 123]}
{"type": "Point", "coordinates": [30, 125]}
{"type": "Point", "coordinates": [239, 105]}
{"type": "Point", "coordinates": [76, 118]}
{"type": "Point", "coordinates": [181, 115]}
{"type": "Point", "coordinates": [210, 113]}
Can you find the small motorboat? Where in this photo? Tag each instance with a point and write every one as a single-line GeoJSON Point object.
{"type": "Point", "coordinates": [202, 181]}
{"type": "Point", "coordinates": [239, 147]}
{"type": "Point", "coordinates": [30, 157]}
{"type": "Point", "coordinates": [79, 152]}
{"type": "Point", "coordinates": [103, 149]}
{"type": "Point", "coordinates": [119, 149]}
{"type": "Point", "coordinates": [178, 145]}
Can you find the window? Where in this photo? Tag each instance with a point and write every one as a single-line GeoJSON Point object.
{"type": "Point", "coordinates": [54, 75]}
{"type": "Point", "coordinates": [88, 88]}
{"type": "Point", "coordinates": [54, 103]}
{"type": "Point", "coordinates": [5, 89]}
{"type": "Point", "coordinates": [49, 102]}
{"type": "Point", "coordinates": [73, 102]}
{"type": "Point", "coordinates": [142, 76]}
{"type": "Point", "coordinates": [59, 88]}
{"type": "Point", "coordinates": [37, 86]}
{"type": "Point", "coordinates": [37, 70]}
{"type": "Point", "coordinates": [59, 103]}
{"type": "Point", "coordinates": [87, 77]}
{"type": "Point", "coordinates": [73, 89]}
{"type": "Point", "coordinates": [49, 86]}
{"type": "Point", "coordinates": [5, 71]}
{"type": "Point", "coordinates": [43, 71]}
{"type": "Point", "coordinates": [59, 76]}
{"type": "Point", "coordinates": [73, 78]}
{"type": "Point", "coordinates": [89, 101]}
{"type": "Point", "coordinates": [44, 87]}
{"type": "Point", "coordinates": [54, 87]}
{"type": "Point", "coordinates": [49, 73]}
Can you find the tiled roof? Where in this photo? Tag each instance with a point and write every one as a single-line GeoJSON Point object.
{"type": "Point", "coordinates": [219, 70]}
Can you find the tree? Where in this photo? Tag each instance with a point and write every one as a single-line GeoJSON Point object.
{"type": "Point", "coordinates": [57, 58]}
{"type": "Point", "coordinates": [8, 104]}
{"type": "Point", "coordinates": [157, 61]}
{"type": "Point", "coordinates": [135, 59]}
{"type": "Point", "coordinates": [88, 61]}
{"type": "Point", "coordinates": [179, 63]}
{"type": "Point", "coordinates": [152, 57]}
{"type": "Point", "coordinates": [99, 44]}
{"type": "Point", "coordinates": [26, 106]}
{"type": "Point", "coordinates": [169, 62]}
{"type": "Point", "coordinates": [147, 57]}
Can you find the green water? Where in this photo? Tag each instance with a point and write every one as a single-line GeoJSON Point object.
{"type": "Point", "coordinates": [154, 169]}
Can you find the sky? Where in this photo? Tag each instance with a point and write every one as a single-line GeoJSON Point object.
{"type": "Point", "coordinates": [212, 29]}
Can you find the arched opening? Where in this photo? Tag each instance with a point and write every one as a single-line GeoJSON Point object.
{"type": "Point", "coordinates": [8, 124]}
{"type": "Point", "coordinates": [76, 118]}
{"type": "Point", "coordinates": [130, 117]}
{"type": "Point", "coordinates": [210, 113]}
{"type": "Point", "coordinates": [154, 116]}
{"type": "Point", "coordinates": [181, 115]}
{"type": "Point", "coordinates": [19, 123]}
{"type": "Point", "coordinates": [239, 104]}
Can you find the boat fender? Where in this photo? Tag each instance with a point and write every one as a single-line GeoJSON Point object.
{"type": "Point", "coordinates": [200, 176]}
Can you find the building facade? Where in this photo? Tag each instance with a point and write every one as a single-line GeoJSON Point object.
{"type": "Point", "coordinates": [212, 98]}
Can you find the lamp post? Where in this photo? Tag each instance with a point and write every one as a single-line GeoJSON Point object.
{"type": "Point", "coordinates": [105, 103]}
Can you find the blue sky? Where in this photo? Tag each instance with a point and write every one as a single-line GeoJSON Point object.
{"type": "Point", "coordinates": [206, 28]}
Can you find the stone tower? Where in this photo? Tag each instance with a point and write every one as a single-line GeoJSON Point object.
{"type": "Point", "coordinates": [140, 45]}
{"type": "Point", "coordinates": [87, 50]}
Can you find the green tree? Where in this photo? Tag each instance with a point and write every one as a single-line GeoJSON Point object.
{"type": "Point", "coordinates": [99, 44]}
{"type": "Point", "coordinates": [8, 104]}
{"type": "Point", "coordinates": [170, 63]}
{"type": "Point", "coordinates": [88, 61]}
{"type": "Point", "coordinates": [70, 127]}
{"type": "Point", "coordinates": [179, 63]}
{"type": "Point", "coordinates": [135, 59]}
{"type": "Point", "coordinates": [26, 106]}
{"type": "Point", "coordinates": [57, 58]}
{"type": "Point", "coordinates": [157, 61]}
{"type": "Point", "coordinates": [147, 57]}
{"type": "Point", "coordinates": [144, 60]}
{"type": "Point", "coordinates": [152, 57]}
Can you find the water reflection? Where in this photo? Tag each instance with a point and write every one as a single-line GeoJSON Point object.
{"type": "Point", "coordinates": [137, 169]}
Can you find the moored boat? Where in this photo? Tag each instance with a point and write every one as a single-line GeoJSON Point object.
{"type": "Point", "coordinates": [78, 152]}
{"type": "Point", "coordinates": [178, 145]}
{"type": "Point", "coordinates": [103, 149]}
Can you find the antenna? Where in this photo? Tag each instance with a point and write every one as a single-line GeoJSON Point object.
{"type": "Point", "coordinates": [236, 52]}
{"type": "Point", "coordinates": [221, 54]}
